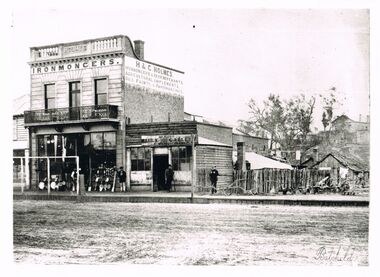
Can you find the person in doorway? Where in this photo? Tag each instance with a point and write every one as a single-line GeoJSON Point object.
{"type": "Point", "coordinates": [214, 179]}
{"type": "Point", "coordinates": [169, 173]}
{"type": "Point", "coordinates": [122, 175]}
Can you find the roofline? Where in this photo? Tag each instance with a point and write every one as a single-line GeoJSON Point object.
{"type": "Point", "coordinates": [249, 136]}
{"type": "Point", "coordinates": [363, 122]}
{"type": "Point", "coordinates": [209, 124]}
{"type": "Point", "coordinates": [93, 39]}
{"type": "Point", "coordinates": [78, 41]}
{"type": "Point", "coordinates": [332, 155]}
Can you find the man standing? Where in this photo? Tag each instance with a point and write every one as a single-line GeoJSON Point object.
{"type": "Point", "coordinates": [214, 179]}
{"type": "Point", "coordinates": [122, 177]}
{"type": "Point", "coordinates": [169, 173]}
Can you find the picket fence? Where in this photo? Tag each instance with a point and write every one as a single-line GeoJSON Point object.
{"type": "Point", "coordinates": [264, 181]}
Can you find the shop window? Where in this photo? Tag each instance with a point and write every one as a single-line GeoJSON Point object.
{"type": "Point", "coordinates": [101, 91]}
{"type": "Point", "coordinates": [103, 141]}
{"type": "Point", "coordinates": [181, 158]}
{"type": "Point", "coordinates": [140, 159]}
{"type": "Point", "coordinates": [50, 145]}
{"type": "Point", "coordinates": [109, 140]}
{"type": "Point", "coordinates": [49, 96]}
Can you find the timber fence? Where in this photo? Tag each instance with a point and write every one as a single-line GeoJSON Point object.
{"type": "Point", "coordinates": [268, 180]}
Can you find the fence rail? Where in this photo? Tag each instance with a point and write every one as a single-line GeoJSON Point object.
{"type": "Point", "coordinates": [263, 181]}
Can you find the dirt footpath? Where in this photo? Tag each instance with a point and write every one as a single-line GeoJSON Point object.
{"type": "Point", "coordinates": [60, 232]}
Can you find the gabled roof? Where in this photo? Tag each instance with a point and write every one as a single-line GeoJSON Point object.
{"type": "Point", "coordinates": [342, 117]}
{"type": "Point", "coordinates": [21, 104]}
{"type": "Point", "coordinates": [347, 160]}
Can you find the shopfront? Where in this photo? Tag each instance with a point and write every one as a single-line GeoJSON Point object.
{"type": "Point", "coordinates": [149, 161]}
{"type": "Point", "coordinates": [190, 147]}
{"type": "Point", "coordinates": [97, 149]}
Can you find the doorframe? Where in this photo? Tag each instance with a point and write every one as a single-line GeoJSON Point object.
{"type": "Point", "coordinates": [152, 170]}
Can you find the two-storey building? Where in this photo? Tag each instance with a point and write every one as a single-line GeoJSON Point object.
{"type": "Point", "coordinates": [84, 93]}
{"type": "Point", "coordinates": [101, 100]}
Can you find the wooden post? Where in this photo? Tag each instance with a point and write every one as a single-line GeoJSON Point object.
{"type": "Point", "coordinates": [151, 170]}
{"type": "Point", "coordinates": [48, 174]}
{"type": "Point", "coordinates": [128, 169]}
{"type": "Point", "coordinates": [90, 175]}
{"type": "Point", "coordinates": [77, 160]}
{"type": "Point", "coordinates": [22, 175]}
{"type": "Point", "coordinates": [194, 169]}
{"type": "Point", "coordinates": [27, 170]}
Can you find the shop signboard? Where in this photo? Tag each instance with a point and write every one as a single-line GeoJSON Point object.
{"type": "Point", "coordinates": [167, 140]}
{"type": "Point", "coordinates": [153, 78]}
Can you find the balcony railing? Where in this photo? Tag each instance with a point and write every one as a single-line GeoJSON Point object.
{"type": "Point", "coordinates": [84, 113]}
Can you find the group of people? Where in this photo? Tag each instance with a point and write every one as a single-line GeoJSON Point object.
{"type": "Point", "coordinates": [105, 179]}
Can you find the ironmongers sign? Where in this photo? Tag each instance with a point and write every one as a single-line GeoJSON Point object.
{"type": "Point", "coordinates": [85, 64]}
{"type": "Point", "coordinates": [167, 140]}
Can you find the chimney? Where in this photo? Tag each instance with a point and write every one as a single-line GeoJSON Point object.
{"type": "Point", "coordinates": [139, 49]}
{"type": "Point", "coordinates": [360, 118]}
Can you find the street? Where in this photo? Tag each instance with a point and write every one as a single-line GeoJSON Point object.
{"type": "Point", "coordinates": [60, 232]}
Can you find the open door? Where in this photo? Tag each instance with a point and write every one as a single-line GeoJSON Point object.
{"type": "Point", "coordinates": [160, 164]}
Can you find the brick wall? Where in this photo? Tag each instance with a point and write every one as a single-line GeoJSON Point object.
{"type": "Point", "coordinates": [141, 105]}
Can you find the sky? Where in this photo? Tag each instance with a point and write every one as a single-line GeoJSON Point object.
{"type": "Point", "coordinates": [229, 56]}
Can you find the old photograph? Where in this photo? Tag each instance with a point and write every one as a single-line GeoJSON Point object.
{"type": "Point", "coordinates": [191, 137]}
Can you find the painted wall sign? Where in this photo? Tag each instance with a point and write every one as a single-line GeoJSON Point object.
{"type": "Point", "coordinates": [75, 65]}
{"type": "Point", "coordinates": [153, 77]}
{"type": "Point", "coordinates": [166, 140]}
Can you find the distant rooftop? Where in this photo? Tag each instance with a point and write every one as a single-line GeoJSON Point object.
{"type": "Point", "coordinates": [21, 104]}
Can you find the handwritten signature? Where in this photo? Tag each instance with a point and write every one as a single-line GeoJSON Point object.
{"type": "Point", "coordinates": [335, 254]}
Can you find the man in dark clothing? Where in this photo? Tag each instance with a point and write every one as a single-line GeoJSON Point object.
{"type": "Point", "coordinates": [122, 177]}
{"type": "Point", "coordinates": [214, 179]}
{"type": "Point", "coordinates": [169, 173]}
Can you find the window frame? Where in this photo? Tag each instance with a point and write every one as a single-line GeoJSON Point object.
{"type": "Point", "coordinates": [96, 100]}
{"type": "Point", "coordinates": [144, 163]}
{"type": "Point", "coordinates": [78, 91]}
{"type": "Point", "coordinates": [178, 160]}
{"type": "Point", "coordinates": [46, 98]}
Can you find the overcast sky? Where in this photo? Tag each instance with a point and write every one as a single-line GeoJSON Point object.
{"type": "Point", "coordinates": [228, 56]}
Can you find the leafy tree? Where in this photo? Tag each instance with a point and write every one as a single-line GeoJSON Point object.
{"type": "Point", "coordinates": [286, 122]}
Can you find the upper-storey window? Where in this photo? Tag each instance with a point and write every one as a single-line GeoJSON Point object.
{"type": "Point", "coordinates": [74, 91]}
{"type": "Point", "coordinates": [49, 96]}
{"type": "Point", "coordinates": [101, 91]}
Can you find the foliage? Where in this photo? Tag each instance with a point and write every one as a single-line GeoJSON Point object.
{"type": "Point", "coordinates": [330, 102]}
{"type": "Point", "coordinates": [286, 122]}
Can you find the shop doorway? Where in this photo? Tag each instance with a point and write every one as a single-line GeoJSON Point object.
{"type": "Point", "coordinates": [160, 164]}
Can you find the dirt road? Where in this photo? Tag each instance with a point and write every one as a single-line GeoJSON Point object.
{"type": "Point", "coordinates": [58, 232]}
